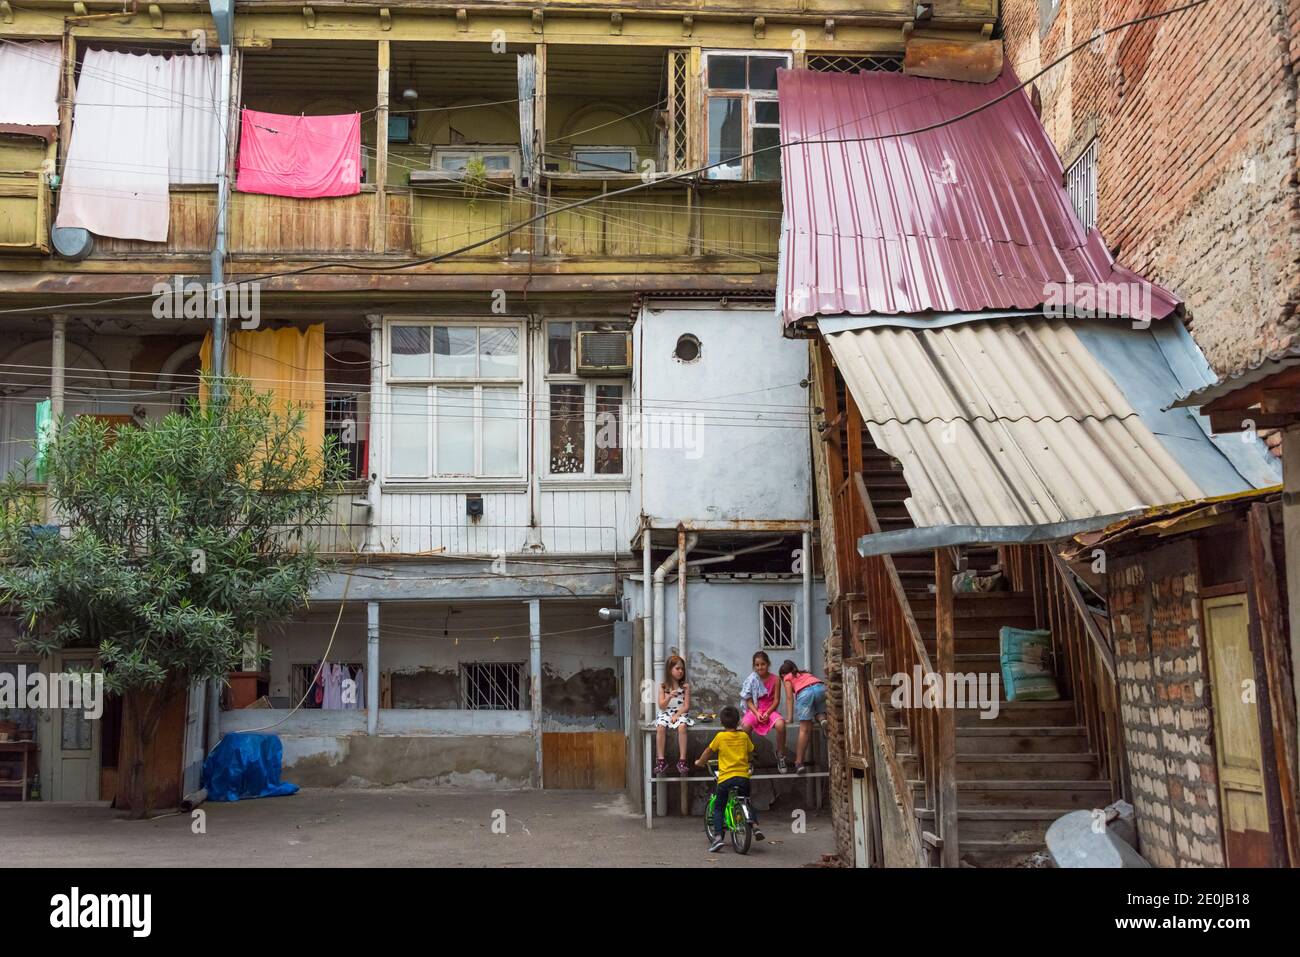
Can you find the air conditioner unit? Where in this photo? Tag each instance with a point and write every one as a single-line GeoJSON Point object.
{"type": "Point", "coordinates": [604, 353]}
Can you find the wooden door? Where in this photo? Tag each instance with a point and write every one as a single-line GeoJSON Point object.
{"type": "Point", "coordinates": [1238, 750]}
{"type": "Point", "coordinates": [75, 741]}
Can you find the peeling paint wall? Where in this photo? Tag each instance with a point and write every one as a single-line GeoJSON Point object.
{"type": "Point", "coordinates": [722, 629]}
{"type": "Point", "coordinates": [744, 457]}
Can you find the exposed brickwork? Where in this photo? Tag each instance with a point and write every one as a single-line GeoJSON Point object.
{"type": "Point", "coordinates": [1165, 706]}
{"type": "Point", "coordinates": [1195, 117]}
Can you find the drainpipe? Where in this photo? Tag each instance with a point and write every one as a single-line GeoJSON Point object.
{"type": "Point", "coordinates": [661, 573]}
{"type": "Point", "coordinates": [223, 14]}
{"type": "Point", "coordinates": [807, 600]}
{"type": "Point", "coordinates": [682, 548]}
{"type": "Point", "coordinates": [647, 629]}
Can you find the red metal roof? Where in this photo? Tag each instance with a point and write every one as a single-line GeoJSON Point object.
{"type": "Point", "coordinates": [968, 217]}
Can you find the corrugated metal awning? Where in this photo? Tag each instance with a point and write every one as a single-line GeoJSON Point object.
{"type": "Point", "coordinates": [967, 216]}
{"type": "Point", "coordinates": [1008, 422]}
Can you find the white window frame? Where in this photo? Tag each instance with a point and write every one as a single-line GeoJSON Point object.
{"type": "Point", "coordinates": [628, 151]}
{"type": "Point", "coordinates": [748, 98]}
{"type": "Point", "coordinates": [1081, 185]}
{"type": "Point", "coordinates": [589, 428]}
{"type": "Point", "coordinates": [478, 383]}
{"type": "Point", "coordinates": [762, 631]}
{"type": "Point", "coordinates": [470, 152]}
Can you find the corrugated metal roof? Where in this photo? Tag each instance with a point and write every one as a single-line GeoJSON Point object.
{"type": "Point", "coordinates": [1005, 422]}
{"type": "Point", "coordinates": [967, 217]}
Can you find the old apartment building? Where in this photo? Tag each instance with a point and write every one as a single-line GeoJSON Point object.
{"type": "Point", "coordinates": [476, 243]}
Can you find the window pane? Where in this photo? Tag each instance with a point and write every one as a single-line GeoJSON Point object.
{"type": "Point", "coordinates": [762, 71]}
{"type": "Point", "coordinates": [497, 163]}
{"type": "Point", "coordinates": [609, 437]}
{"type": "Point", "coordinates": [453, 164]}
{"type": "Point", "coordinates": [726, 116]}
{"type": "Point", "coordinates": [498, 351]}
{"type": "Point", "coordinates": [455, 432]}
{"type": "Point", "coordinates": [767, 111]}
{"type": "Point", "coordinates": [501, 413]}
{"type": "Point", "coordinates": [567, 444]}
{"type": "Point", "coordinates": [767, 165]}
{"type": "Point", "coordinates": [410, 351]}
{"type": "Point", "coordinates": [602, 161]}
{"type": "Point", "coordinates": [559, 347]}
{"type": "Point", "coordinates": [454, 349]}
{"type": "Point", "coordinates": [727, 72]}
{"type": "Point", "coordinates": [408, 431]}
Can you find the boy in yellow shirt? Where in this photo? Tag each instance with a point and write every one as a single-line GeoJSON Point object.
{"type": "Point", "coordinates": [733, 748]}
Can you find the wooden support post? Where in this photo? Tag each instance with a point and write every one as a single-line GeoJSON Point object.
{"type": "Point", "coordinates": [946, 750]}
{"type": "Point", "coordinates": [379, 218]}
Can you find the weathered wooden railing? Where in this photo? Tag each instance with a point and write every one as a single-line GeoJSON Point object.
{"type": "Point", "coordinates": [902, 651]}
{"type": "Point", "coordinates": [1085, 661]}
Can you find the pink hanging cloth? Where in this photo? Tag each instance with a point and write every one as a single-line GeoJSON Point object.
{"type": "Point", "coordinates": [303, 156]}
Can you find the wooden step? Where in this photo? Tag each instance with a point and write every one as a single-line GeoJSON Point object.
{"type": "Point", "coordinates": [998, 853]}
{"type": "Point", "coordinates": [1039, 714]}
{"type": "Point", "coordinates": [1070, 795]}
{"type": "Point", "coordinates": [976, 739]}
{"type": "Point", "coordinates": [1018, 767]}
{"type": "Point", "coordinates": [998, 823]}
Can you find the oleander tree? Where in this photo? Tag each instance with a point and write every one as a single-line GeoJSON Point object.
{"type": "Point", "coordinates": [168, 545]}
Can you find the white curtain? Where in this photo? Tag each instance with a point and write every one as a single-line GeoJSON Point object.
{"type": "Point", "coordinates": [29, 79]}
{"type": "Point", "coordinates": [140, 122]}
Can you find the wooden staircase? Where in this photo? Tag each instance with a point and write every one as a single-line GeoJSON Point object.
{"type": "Point", "coordinates": [1016, 772]}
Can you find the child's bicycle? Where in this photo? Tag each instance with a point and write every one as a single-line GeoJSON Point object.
{"type": "Point", "coordinates": [738, 817]}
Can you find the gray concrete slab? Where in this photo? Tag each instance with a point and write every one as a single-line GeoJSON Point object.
{"type": "Point", "coordinates": [403, 827]}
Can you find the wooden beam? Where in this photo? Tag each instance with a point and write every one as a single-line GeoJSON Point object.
{"type": "Point", "coordinates": [1268, 599]}
{"type": "Point", "coordinates": [1282, 401]}
{"type": "Point", "coordinates": [979, 61]}
{"type": "Point", "coordinates": [1248, 420]}
{"type": "Point", "coordinates": [946, 812]}
{"type": "Point", "coordinates": [379, 217]}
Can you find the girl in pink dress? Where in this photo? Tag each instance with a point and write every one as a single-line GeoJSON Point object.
{"type": "Point", "coordinates": [760, 697]}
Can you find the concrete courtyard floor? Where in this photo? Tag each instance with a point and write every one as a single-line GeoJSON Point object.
{"type": "Point", "coordinates": [395, 827]}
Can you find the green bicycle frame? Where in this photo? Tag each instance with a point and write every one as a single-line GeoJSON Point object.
{"type": "Point", "coordinates": [728, 812]}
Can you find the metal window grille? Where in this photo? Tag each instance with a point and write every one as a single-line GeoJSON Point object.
{"type": "Point", "coordinates": [492, 685]}
{"type": "Point", "coordinates": [1081, 184]}
{"type": "Point", "coordinates": [880, 63]}
{"type": "Point", "coordinates": [679, 67]}
{"type": "Point", "coordinates": [778, 624]}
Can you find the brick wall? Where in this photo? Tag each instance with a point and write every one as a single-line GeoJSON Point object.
{"type": "Point", "coordinates": [1195, 117]}
{"type": "Point", "coordinates": [1164, 702]}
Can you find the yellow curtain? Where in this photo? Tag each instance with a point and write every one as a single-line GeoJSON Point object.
{"type": "Point", "coordinates": [289, 362]}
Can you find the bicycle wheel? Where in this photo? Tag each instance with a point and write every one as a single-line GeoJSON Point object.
{"type": "Point", "coordinates": [708, 819]}
{"type": "Point", "coordinates": [742, 835]}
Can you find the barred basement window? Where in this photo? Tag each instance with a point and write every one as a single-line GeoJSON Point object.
{"type": "Point", "coordinates": [880, 63]}
{"type": "Point", "coordinates": [776, 619]}
{"type": "Point", "coordinates": [1081, 184]}
{"type": "Point", "coordinates": [492, 685]}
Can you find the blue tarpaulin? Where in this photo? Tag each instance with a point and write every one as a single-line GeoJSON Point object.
{"type": "Point", "coordinates": [245, 766]}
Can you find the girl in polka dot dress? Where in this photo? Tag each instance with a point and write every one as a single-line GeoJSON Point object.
{"type": "Point", "coordinates": [674, 712]}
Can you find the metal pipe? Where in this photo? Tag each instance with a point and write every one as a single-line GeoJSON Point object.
{"type": "Point", "coordinates": [372, 668]}
{"type": "Point", "coordinates": [731, 556]}
{"type": "Point", "coordinates": [682, 548]}
{"type": "Point", "coordinates": [807, 600]}
{"type": "Point", "coordinates": [647, 631]}
{"type": "Point", "coordinates": [535, 681]}
{"type": "Point", "coordinates": [58, 363]}
{"type": "Point", "coordinates": [223, 14]}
